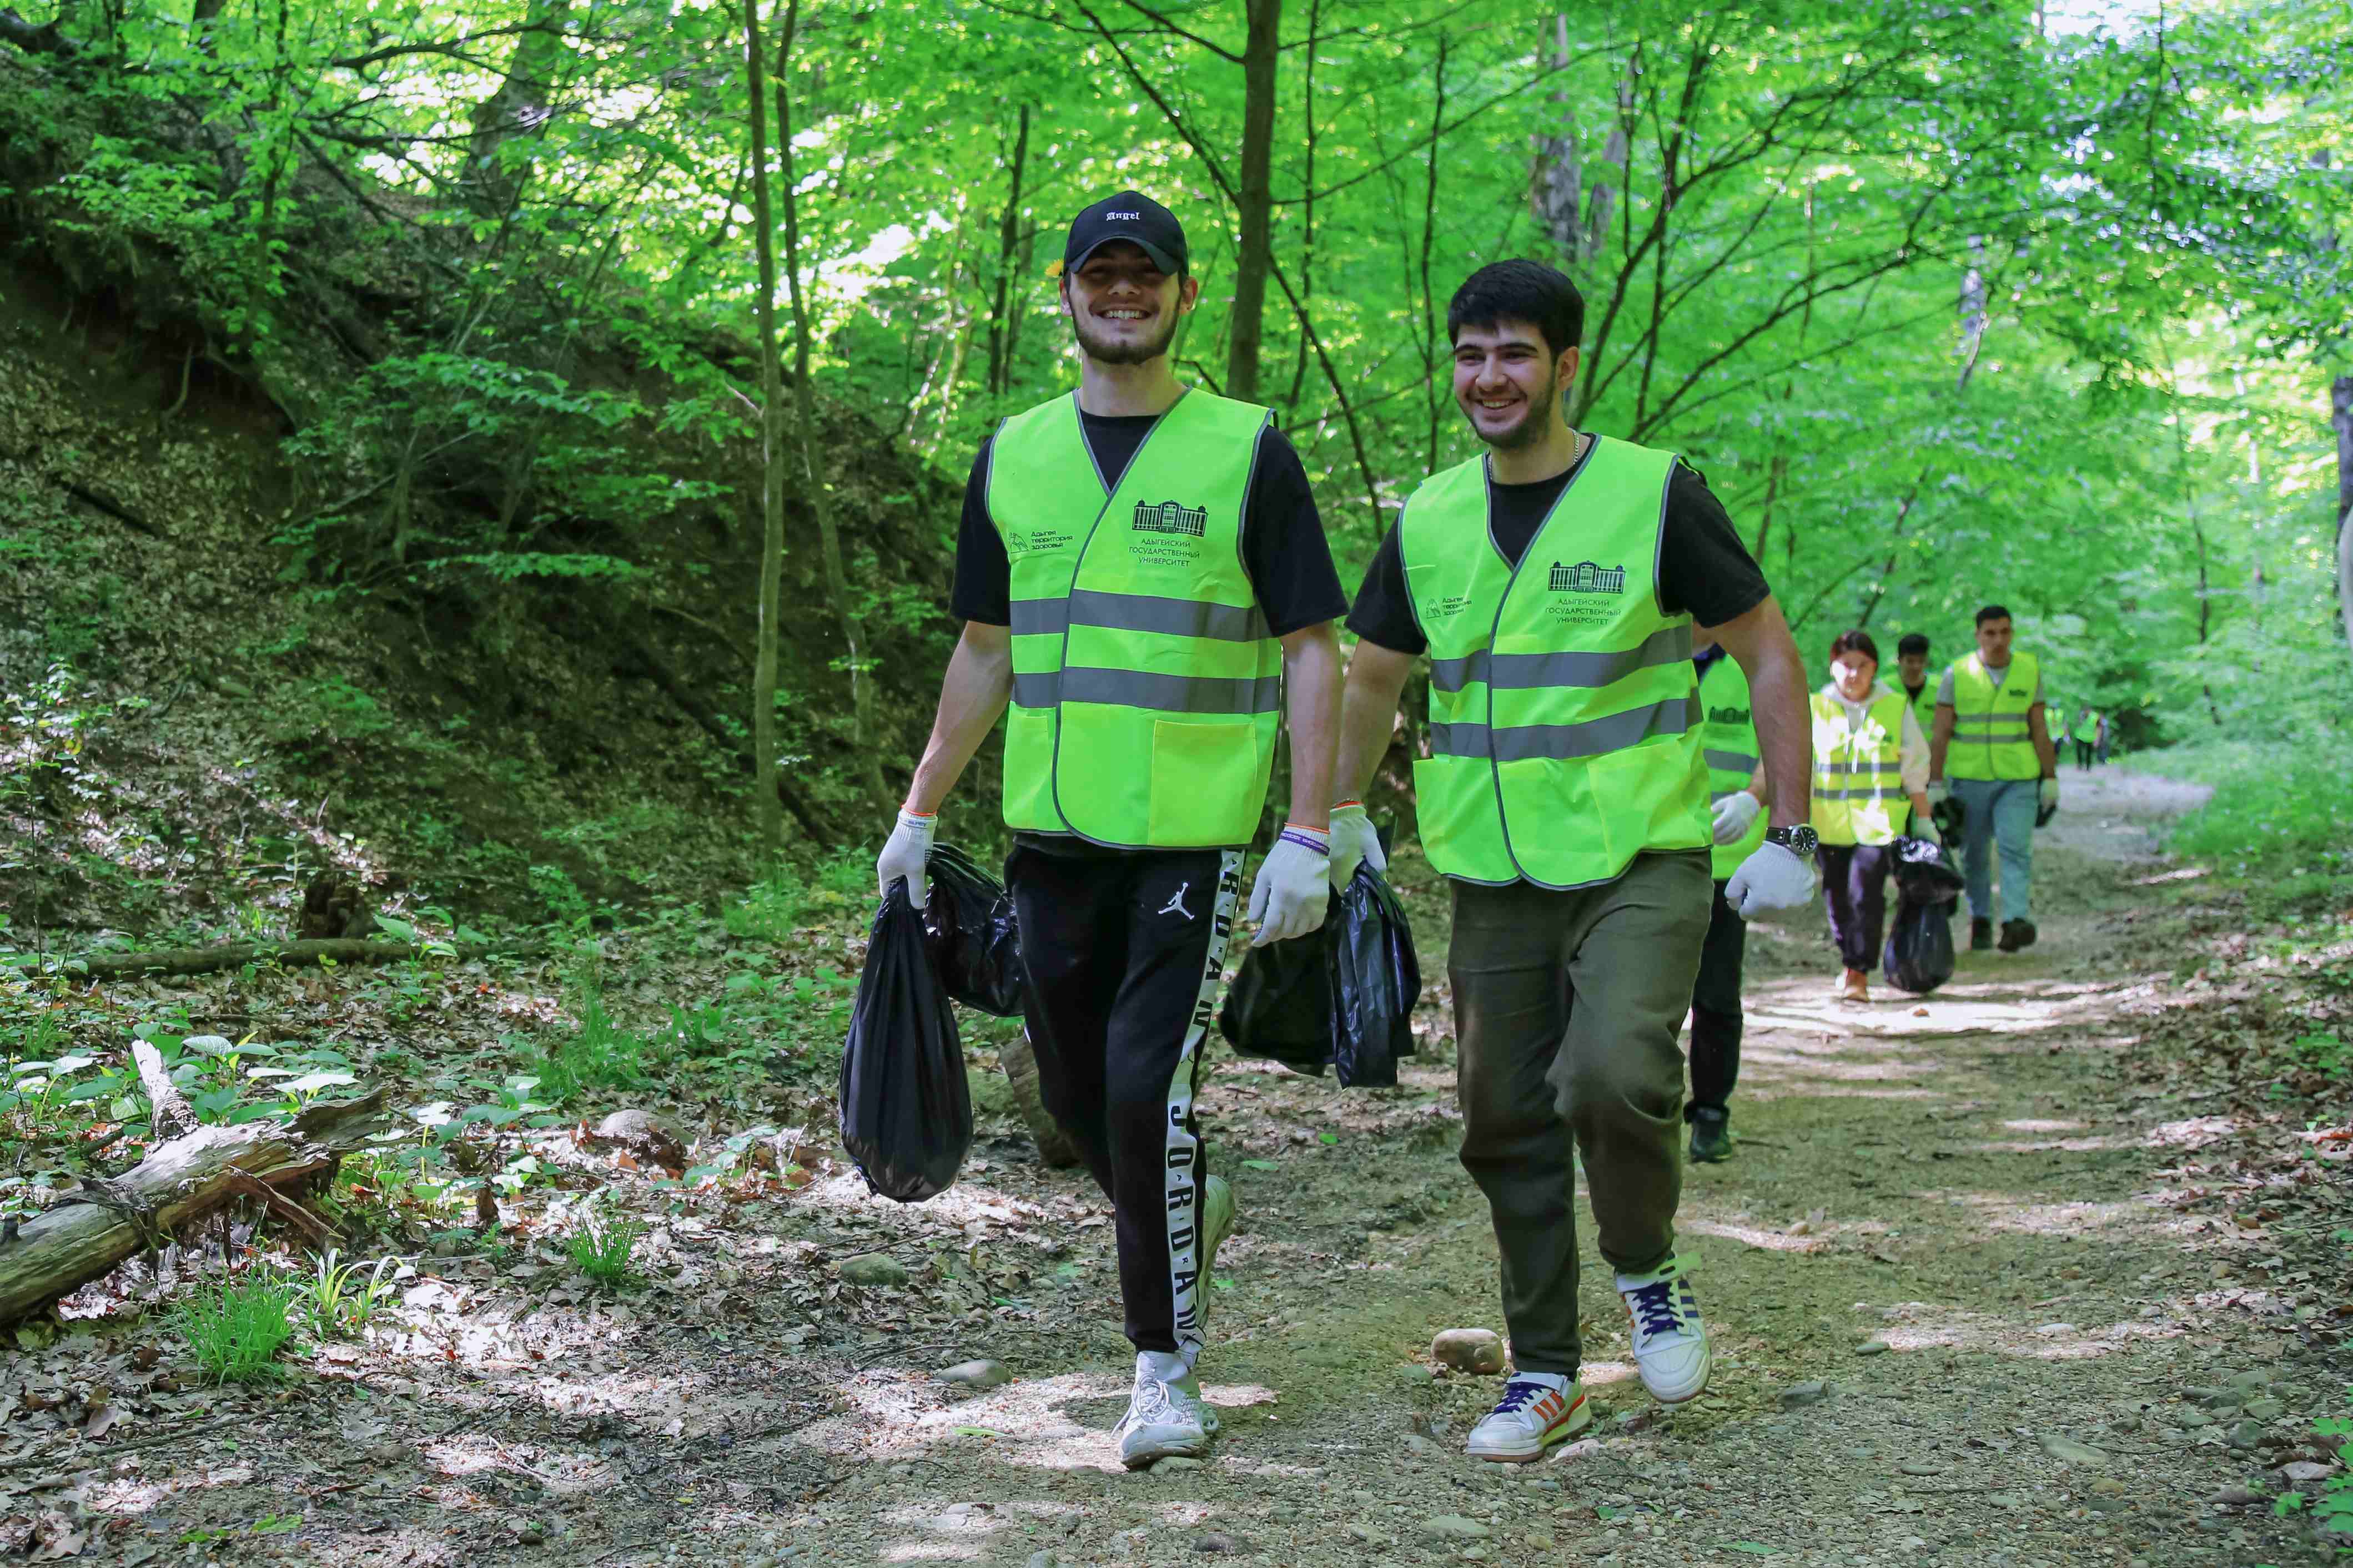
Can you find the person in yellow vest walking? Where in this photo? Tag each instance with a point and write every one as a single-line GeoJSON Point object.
{"type": "Point", "coordinates": [1870, 758]}
{"type": "Point", "coordinates": [2086, 734]}
{"type": "Point", "coordinates": [1991, 755]}
{"type": "Point", "coordinates": [1912, 673]}
{"type": "Point", "coordinates": [1554, 583]}
{"type": "Point", "coordinates": [1141, 571]}
{"type": "Point", "coordinates": [1735, 788]}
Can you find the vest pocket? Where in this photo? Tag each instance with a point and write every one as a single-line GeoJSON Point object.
{"type": "Point", "coordinates": [1639, 809]}
{"type": "Point", "coordinates": [1209, 782]}
{"type": "Point", "coordinates": [1462, 834]}
{"type": "Point", "coordinates": [1029, 770]}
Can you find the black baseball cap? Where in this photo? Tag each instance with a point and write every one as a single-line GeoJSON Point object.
{"type": "Point", "coordinates": [1131, 217]}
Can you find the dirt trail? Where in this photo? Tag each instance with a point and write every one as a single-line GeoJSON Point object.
{"type": "Point", "coordinates": [1955, 1316]}
{"type": "Point", "coordinates": [1940, 1208]}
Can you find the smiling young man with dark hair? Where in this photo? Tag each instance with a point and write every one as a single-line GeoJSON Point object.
{"type": "Point", "coordinates": [1555, 583]}
{"type": "Point", "coordinates": [1141, 571]}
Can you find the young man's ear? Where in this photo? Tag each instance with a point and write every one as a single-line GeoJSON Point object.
{"type": "Point", "coordinates": [1564, 371]}
{"type": "Point", "coordinates": [1189, 291]}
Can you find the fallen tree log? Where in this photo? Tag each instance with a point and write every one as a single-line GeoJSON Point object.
{"type": "Point", "coordinates": [285, 954]}
{"type": "Point", "coordinates": [82, 1238]}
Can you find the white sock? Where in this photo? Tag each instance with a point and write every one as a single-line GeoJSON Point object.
{"type": "Point", "coordinates": [1162, 1366]}
{"type": "Point", "coordinates": [1552, 1380]}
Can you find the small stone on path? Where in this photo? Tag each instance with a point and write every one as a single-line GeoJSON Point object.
{"type": "Point", "coordinates": [2192, 1418]}
{"type": "Point", "coordinates": [1175, 1464]}
{"type": "Point", "coordinates": [1042, 1559]}
{"type": "Point", "coordinates": [1922, 1470]}
{"type": "Point", "coordinates": [1468, 1350]}
{"type": "Point", "coordinates": [1805, 1394]}
{"type": "Point", "coordinates": [2048, 1330]}
{"type": "Point", "coordinates": [2302, 1471]}
{"type": "Point", "coordinates": [2236, 1497]}
{"type": "Point", "coordinates": [872, 1268]}
{"type": "Point", "coordinates": [2265, 1409]}
{"type": "Point", "coordinates": [2259, 1377]}
{"type": "Point", "coordinates": [1873, 1347]}
{"type": "Point", "coordinates": [2067, 1451]}
{"type": "Point", "coordinates": [1453, 1527]}
{"type": "Point", "coordinates": [1218, 1541]}
{"type": "Point", "coordinates": [973, 1374]}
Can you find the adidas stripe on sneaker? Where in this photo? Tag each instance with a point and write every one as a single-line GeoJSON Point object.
{"type": "Point", "coordinates": [1536, 1411]}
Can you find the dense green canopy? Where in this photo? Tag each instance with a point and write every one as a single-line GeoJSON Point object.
{"type": "Point", "coordinates": [1950, 302]}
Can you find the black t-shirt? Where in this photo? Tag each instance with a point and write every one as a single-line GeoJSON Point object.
{"type": "Point", "coordinates": [1704, 570]}
{"type": "Point", "coordinates": [1284, 551]}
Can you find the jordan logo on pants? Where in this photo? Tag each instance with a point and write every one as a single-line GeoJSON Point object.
{"type": "Point", "coordinates": [1175, 904]}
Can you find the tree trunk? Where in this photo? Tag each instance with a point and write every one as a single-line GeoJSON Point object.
{"type": "Point", "coordinates": [68, 1246]}
{"type": "Point", "coordinates": [2340, 414]}
{"type": "Point", "coordinates": [765, 805]}
{"type": "Point", "coordinates": [1008, 232]}
{"type": "Point", "coordinates": [867, 762]}
{"type": "Point", "coordinates": [521, 105]}
{"type": "Point", "coordinates": [1560, 176]}
{"type": "Point", "coordinates": [1256, 199]}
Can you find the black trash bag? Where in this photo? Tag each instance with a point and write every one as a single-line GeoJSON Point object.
{"type": "Point", "coordinates": [1376, 979]}
{"type": "Point", "coordinates": [1919, 953]}
{"type": "Point", "coordinates": [1279, 1005]}
{"type": "Point", "coordinates": [971, 934]}
{"type": "Point", "coordinates": [906, 1111]}
{"type": "Point", "coordinates": [1925, 872]}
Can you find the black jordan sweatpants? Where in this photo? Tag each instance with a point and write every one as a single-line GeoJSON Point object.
{"type": "Point", "coordinates": [1125, 952]}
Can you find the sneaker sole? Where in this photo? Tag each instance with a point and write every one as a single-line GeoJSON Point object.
{"type": "Point", "coordinates": [1580, 1417]}
{"type": "Point", "coordinates": [1177, 1448]}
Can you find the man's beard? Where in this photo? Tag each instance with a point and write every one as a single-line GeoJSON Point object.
{"type": "Point", "coordinates": [1528, 432]}
{"type": "Point", "coordinates": [1104, 353]}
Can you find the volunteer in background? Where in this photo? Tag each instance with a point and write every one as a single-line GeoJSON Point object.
{"type": "Point", "coordinates": [1912, 672]}
{"type": "Point", "coordinates": [1992, 753]}
{"type": "Point", "coordinates": [1141, 569]}
{"type": "Point", "coordinates": [1870, 756]}
{"type": "Point", "coordinates": [1555, 583]}
{"type": "Point", "coordinates": [2086, 734]}
{"type": "Point", "coordinates": [2100, 743]}
{"type": "Point", "coordinates": [1735, 785]}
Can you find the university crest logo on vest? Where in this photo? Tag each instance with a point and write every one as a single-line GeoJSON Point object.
{"type": "Point", "coordinates": [1584, 591]}
{"type": "Point", "coordinates": [1168, 531]}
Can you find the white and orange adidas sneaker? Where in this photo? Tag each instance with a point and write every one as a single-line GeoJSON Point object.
{"type": "Point", "coordinates": [1670, 1342]}
{"type": "Point", "coordinates": [1538, 1409]}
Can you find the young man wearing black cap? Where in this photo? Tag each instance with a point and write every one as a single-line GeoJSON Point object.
{"type": "Point", "coordinates": [1141, 571]}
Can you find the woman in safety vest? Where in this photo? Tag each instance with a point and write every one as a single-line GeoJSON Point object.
{"type": "Point", "coordinates": [1870, 757]}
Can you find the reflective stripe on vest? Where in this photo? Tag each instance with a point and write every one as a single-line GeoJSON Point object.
{"type": "Point", "coordinates": [1992, 738]}
{"type": "Point", "coordinates": [1728, 737]}
{"type": "Point", "coordinates": [1564, 716]}
{"type": "Point", "coordinates": [1858, 772]}
{"type": "Point", "coordinates": [1147, 686]}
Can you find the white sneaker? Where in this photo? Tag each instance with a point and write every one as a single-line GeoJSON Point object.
{"type": "Point", "coordinates": [1166, 1418]}
{"type": "Point", "coordinates": [1534, 1414]}
{"type": "Point", "coordinates": [1670, 1342]}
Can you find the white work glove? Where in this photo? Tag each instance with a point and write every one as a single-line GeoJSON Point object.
{"type": "Point", "coordinates": [2048, 800]}
{"type": "Point", "coordinates": [1734, 815]}
{"type": "Point", "coordinates": [1294, 886]}
{"type": "Point", "coordinates": [1354, 843]}
{"type": "Point", "coordinates": [908, 846]}
{"type": "Point", "coordinates": [1939, 792]}
{"type": "Point", "coordinates": [1773, 878]}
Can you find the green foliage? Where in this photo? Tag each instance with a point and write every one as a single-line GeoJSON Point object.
{"type": "Point", "coordinates": [340, 1297]}
{"type": "Point", "coordinates": [600, 1247]}
{"type": "Point", "coordinates": [235, 1331]}
{"type": "Point", "coordinates": [598, 1055]}
{"type": "Point", "coordinates": [2280, 817]}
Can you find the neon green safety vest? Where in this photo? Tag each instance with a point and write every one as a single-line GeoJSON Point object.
{"type": "Point", "coordinates": [1858, 777]}
{"type": "Point", "coordinates": [1564, 716]}
{"type": "Point", "coordinates": [2088, 725]}
{"type": "Point", "coordinates": [1728, 737]}
{"type": "Point", "coordinates": [1146, 687]}
{"type": "Point", "coordinates": [1991, 738]}
{"type": "Point", "coordinates": [1924, 707]}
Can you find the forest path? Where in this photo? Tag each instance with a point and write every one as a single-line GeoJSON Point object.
{"type": "Point", "coordinates": [1972, 1257]}
{"type": "Point", "coordinates": [1942, 1208]}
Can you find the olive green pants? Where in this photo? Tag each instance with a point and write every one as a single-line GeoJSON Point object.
{"type": "Point", "coordinates": [1566, 1006]}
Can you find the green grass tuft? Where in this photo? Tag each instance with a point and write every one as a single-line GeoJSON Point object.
{"type": "Point", "coordinates": [235, 1333]}
{"type": "Point", "coordinates": [600, 1247]}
